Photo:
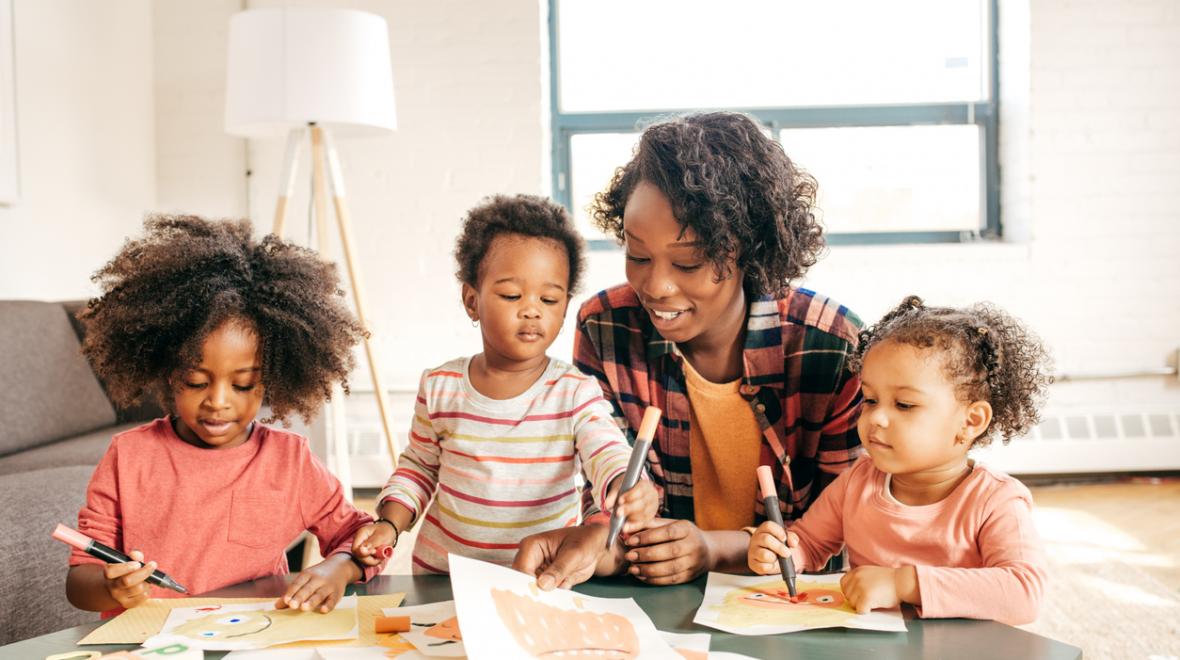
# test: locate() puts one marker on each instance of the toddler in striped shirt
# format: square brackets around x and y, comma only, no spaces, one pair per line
[499,439]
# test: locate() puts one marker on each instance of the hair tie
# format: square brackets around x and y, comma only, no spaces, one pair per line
[982,330]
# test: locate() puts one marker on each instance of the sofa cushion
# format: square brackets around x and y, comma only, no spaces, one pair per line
[86,449]
[33,575]
[47,389]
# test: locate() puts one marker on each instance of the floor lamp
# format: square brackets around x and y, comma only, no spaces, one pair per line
[307,73]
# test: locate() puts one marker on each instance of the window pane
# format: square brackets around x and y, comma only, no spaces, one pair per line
[655,54]
[894,178]
[594,157]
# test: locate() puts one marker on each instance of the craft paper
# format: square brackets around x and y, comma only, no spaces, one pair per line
[690,646]
[255,625]
[760,605]
[137,624]
[504,615]
[273,654]
[434,630]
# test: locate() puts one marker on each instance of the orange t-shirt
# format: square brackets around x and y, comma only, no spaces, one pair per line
[725,444]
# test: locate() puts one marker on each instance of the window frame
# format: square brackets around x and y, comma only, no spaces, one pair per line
[985,114]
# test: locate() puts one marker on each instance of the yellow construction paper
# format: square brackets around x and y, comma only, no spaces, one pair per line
[135,625]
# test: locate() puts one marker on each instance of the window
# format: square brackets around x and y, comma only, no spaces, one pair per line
[891,105]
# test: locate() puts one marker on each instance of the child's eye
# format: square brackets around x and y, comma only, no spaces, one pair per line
[688,269]
[243,388]
[509,298]
[195,386]
[905,406]
[638,260]
[870,401]
[549,301]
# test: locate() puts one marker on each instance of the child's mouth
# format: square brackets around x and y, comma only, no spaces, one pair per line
[216,427]
[530,335]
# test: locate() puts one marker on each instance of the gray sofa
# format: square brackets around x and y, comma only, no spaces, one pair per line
[55,425]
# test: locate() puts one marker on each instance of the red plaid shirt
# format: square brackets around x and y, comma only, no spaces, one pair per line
[795,378]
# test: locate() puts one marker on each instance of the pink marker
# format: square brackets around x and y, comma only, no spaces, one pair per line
[385,551]
[770,502]
[110,555]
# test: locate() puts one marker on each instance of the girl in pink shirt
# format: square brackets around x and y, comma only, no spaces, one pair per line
[923,523]
[215,324]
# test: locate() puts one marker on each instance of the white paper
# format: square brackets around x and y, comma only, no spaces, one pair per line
[245,626]
[274,654]
[431,630]
[503,614]
[689,645]
[759,605]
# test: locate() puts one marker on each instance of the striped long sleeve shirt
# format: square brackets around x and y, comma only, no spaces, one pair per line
[795,378]
[500,470]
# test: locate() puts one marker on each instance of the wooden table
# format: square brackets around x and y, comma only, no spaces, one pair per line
[672,609]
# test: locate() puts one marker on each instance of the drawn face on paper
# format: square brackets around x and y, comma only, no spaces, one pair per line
[775,598]
[547,631]
[817,605]
[228,625]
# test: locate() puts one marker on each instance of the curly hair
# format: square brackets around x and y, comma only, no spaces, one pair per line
[749,205]
[520,215]
[162,295]
[988,355]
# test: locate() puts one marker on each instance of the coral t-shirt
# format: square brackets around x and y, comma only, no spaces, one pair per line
[210,518]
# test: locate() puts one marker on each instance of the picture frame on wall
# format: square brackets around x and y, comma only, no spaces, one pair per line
[9,161]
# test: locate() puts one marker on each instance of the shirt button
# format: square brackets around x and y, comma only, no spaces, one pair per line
[749,390]
[761,407]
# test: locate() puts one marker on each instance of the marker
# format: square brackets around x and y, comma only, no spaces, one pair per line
[770,501]
[385,551]
[110,555]
[647,431]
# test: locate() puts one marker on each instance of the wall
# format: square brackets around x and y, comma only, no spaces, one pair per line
[85,133]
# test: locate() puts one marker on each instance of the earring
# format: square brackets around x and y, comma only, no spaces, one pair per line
[475,323]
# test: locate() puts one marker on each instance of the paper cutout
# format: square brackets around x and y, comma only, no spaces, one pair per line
[434,629]
[135,625]
[504,615]
[255,625]
[761,605]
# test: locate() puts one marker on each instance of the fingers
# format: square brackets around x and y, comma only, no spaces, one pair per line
[296,590]
[660,530]
[573,561]
[530,555]
[675,578]
[792,540]
[360,538]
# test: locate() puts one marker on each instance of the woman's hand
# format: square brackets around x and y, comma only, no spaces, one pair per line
[669,552]
[126,582]
[567,556]
[320,586]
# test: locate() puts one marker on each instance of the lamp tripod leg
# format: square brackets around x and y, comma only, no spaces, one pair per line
[287,178]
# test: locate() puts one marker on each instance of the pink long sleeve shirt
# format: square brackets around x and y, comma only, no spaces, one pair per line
[214,517]
[976,552]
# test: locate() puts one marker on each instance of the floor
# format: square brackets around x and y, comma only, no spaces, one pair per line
[1114,555]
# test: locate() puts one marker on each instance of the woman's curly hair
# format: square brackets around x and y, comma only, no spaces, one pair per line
[988,355]
[749,205]
[162,294]
[520,215]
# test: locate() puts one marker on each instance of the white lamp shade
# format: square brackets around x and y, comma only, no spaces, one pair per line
[288,67]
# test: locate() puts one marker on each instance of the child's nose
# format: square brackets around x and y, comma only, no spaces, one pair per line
[217,396]
[878,418]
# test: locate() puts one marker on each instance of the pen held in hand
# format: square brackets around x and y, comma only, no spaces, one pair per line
[770,502]
[647,431]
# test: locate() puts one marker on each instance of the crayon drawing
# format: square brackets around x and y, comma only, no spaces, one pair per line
[255,625]
[434,629]
[761,605]
[504,615]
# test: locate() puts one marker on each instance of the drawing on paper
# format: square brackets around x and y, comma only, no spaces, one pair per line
[256,625]
[545,630]
[761,605]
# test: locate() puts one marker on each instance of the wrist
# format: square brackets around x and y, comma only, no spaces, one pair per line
[600,518]
[905,581]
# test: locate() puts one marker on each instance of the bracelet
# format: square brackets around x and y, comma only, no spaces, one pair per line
[396,532]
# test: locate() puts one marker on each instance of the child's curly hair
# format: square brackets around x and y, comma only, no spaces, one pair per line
[747,202]
[989,356]
[521,215]
[165,292]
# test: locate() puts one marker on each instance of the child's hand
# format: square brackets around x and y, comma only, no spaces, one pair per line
[876,587]
[564,557]
[638,506]
[771,541]
[369,539]
[126,581]
[320,586]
